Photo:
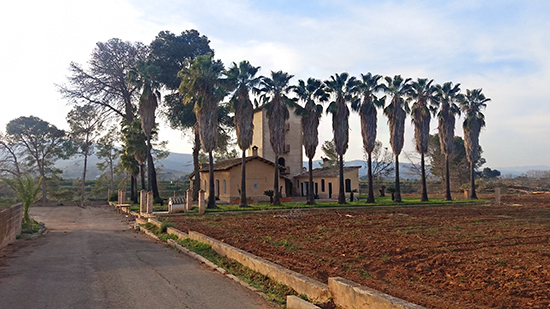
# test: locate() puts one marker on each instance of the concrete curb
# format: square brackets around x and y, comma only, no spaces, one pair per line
[295,302]
[314,289]
[348,294]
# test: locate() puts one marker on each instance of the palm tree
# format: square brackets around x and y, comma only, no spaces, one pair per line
[367,87]
[472,104]
[274,94]
[201,83]
[422,93]
[342,87]
[398,89]
[143,77]
[447,96]
[242,79]
[26,189]
[310,114]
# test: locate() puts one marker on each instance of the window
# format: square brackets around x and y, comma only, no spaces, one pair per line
[348,185]
[287,148]
[255,186]
[322,185]
[282,161]
[217,188]
[316,188]
[224,191]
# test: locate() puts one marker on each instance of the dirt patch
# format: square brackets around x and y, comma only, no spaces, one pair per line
[486,256]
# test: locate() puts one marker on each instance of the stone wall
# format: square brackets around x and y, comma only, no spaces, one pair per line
[10,224]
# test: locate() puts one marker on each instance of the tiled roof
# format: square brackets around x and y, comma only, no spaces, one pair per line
[328,171]
[229,164]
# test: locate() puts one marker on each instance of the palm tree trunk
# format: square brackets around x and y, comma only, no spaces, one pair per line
[142,174]
[196,166]
[341,192]
[276,196]
[448,196]
[211,194]
[133,189]
[397,194]
[473,195]
[370,198]
[310,193]
[424,197]
[151,172]
[243,181]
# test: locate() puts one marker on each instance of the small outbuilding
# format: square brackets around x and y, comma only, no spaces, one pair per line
[326,181]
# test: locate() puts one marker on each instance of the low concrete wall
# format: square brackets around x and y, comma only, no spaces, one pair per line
[314,289]
[10,224]
[155,222]
[350,295]
[295,302]
[181,235]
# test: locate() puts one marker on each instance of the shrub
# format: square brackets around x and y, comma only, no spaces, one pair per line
[113,197]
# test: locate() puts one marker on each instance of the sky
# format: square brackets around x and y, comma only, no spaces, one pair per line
[501,46]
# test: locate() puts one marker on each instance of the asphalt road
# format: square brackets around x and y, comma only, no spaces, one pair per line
[92,258]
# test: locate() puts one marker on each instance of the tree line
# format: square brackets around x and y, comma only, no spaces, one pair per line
[123,82]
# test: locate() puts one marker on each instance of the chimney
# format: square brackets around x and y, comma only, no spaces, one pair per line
[255,151]
[325,162]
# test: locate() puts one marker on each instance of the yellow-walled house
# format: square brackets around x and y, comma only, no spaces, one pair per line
[227,179]
[260,168]
[326,181]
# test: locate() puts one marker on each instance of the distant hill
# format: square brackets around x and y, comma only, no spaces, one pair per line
[178,165]
[175,166]
[515,171]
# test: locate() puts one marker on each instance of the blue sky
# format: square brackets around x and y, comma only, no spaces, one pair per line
[500,46]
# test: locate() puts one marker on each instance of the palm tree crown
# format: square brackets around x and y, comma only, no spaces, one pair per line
[447,96]
[242,78]
[202,84]
[472,104]
[343,89]
[368,87]
[275,100]
[310,93]
[398,89]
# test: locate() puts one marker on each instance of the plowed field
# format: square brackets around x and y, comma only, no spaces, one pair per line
[461,256]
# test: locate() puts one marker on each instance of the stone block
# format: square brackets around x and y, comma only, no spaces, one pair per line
[150,200]
[202,202]
[295,302]
[142,202]
[189,200]
[347,294]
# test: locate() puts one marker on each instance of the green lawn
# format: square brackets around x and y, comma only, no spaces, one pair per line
[380,201]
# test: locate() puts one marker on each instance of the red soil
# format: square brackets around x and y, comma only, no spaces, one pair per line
[485,256]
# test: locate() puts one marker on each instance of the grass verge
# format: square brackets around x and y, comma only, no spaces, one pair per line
[276,292]
[361,202]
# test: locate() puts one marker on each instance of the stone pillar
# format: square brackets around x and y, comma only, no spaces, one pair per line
[497,196]
[150,202]
[202,202]
[189,200]
[120,196]
[142,201]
